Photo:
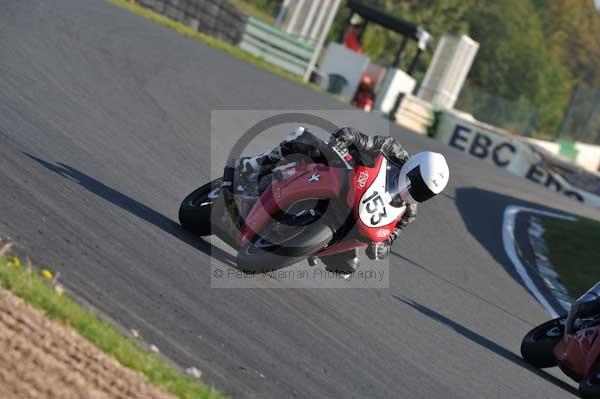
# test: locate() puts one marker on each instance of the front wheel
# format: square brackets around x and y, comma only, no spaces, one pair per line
[589,388]
[280,245]
[538,345]
[196,209]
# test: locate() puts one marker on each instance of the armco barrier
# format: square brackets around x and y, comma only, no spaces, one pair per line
[276,47]
[217,18]
[517,156]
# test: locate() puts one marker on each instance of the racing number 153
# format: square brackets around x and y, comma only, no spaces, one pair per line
[376,206]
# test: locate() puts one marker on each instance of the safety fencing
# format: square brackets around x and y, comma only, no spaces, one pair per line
[582,119]
[217,18]
[276,47]
[513,116]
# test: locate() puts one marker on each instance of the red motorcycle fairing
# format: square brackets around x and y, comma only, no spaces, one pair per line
[367,195]
[578,353]
[303,181]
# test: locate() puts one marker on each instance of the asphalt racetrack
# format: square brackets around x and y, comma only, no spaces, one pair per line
[105,127]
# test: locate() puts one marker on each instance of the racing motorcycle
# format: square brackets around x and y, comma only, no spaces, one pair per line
[305,210]
[572,343]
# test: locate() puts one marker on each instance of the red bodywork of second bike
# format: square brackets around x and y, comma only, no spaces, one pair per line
[577,353]
[331,183]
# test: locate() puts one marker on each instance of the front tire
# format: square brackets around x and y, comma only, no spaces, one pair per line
[589,388]
[196,209]
[275,251]
[538,345]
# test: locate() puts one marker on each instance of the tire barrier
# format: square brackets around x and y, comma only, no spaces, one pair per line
[217,18]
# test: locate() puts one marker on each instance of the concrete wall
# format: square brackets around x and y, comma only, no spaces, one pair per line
[518,157]
[585,155]
[549,146]
[414,114]
[588,156]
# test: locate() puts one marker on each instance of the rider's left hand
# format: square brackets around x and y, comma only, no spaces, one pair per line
[379,250]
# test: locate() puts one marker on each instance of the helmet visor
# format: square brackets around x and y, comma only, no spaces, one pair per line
[418,189]
[406,189]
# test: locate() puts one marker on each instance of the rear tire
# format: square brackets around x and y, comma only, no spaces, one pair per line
[589,388]
[265,254]
[196,209]
[538,345]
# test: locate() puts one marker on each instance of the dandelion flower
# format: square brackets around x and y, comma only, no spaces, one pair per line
[47,274]
[15,261]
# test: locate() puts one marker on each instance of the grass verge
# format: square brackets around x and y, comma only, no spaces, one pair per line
[573,250]
[43,292]
[208,40]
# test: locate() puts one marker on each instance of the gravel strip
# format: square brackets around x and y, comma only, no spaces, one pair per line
[43,359]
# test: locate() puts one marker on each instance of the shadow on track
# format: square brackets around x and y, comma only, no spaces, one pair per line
[136,208]
[458,287]
[486,343]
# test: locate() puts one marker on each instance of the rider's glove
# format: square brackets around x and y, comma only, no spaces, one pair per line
[339,144]
[379,250]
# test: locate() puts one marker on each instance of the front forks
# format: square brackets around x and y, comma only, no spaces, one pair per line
[237,204]
[231,216]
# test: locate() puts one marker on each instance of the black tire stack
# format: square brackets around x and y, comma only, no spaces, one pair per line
[217,18]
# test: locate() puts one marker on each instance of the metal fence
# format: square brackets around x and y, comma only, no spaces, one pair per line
[217,18]
[581,122]
[498,111]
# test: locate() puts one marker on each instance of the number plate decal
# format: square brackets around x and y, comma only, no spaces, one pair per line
[374,209]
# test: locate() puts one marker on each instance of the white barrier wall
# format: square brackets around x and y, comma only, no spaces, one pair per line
[414,114]
[588,156]
[505,151]
[396,81]
[345,62]
[549,146]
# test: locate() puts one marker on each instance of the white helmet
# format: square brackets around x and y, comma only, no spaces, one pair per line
[423,176]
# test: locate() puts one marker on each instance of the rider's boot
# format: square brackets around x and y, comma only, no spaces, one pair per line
[266,161]
[344,263]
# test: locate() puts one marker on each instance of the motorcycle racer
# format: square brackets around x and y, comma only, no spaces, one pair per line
[588,305]
[420,177]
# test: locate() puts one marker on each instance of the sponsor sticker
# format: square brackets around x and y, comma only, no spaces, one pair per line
[382,233]
[362,179]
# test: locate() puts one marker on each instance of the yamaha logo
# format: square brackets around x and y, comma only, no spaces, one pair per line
[315,177]
[362,179]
